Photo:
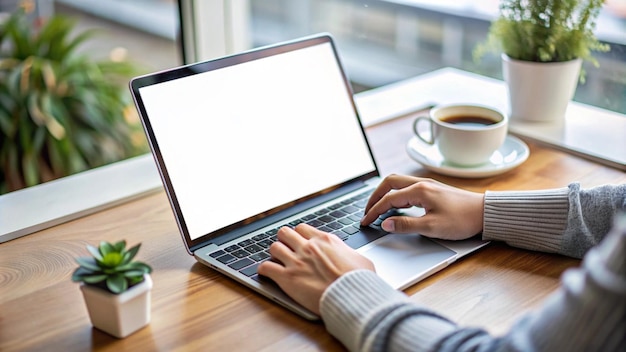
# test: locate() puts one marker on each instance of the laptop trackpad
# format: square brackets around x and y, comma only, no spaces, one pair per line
[403,259]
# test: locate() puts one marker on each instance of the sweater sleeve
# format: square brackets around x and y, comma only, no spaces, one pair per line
[363,312]
[587,313]
[567,220]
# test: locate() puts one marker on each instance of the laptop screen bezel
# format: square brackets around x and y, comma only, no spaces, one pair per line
[184,71]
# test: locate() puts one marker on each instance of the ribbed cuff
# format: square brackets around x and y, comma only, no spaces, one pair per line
[533,220]
[363,312]
[352,301]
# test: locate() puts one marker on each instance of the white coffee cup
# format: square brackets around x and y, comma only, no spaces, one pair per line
[466,135]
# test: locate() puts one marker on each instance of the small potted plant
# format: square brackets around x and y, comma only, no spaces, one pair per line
[543,44]
[116,289]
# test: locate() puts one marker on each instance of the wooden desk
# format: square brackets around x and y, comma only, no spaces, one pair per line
[195,308]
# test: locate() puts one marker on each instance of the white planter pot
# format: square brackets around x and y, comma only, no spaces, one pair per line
[539,91]
[122,314]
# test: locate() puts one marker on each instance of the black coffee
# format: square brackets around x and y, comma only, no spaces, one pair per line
[469,120]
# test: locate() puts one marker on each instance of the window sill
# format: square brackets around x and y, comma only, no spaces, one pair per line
[48,204]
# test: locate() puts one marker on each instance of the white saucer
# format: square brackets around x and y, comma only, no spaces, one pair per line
[511,154]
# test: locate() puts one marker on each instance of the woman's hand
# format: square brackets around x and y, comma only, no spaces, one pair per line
[451,213]
[306,261]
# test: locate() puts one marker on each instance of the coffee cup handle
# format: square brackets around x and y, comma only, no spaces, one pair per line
[430,140]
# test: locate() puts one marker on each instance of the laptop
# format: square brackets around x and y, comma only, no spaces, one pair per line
[271,137]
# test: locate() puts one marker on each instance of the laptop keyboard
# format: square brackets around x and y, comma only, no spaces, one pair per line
[341,219]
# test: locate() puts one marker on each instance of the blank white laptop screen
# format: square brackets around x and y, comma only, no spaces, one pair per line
[244,139]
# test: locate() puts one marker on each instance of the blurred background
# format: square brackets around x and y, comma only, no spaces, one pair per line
[380,41]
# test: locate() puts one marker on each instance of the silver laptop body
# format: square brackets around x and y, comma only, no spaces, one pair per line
[267,138]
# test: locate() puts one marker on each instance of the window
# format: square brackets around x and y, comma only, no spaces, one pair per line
[383,41]
[144,30]
[103,126]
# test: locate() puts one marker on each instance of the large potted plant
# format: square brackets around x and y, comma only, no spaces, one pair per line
[543,44]
[116,289]
[61,112]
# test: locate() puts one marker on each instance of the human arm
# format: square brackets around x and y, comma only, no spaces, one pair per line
[567,220]
[366,314]
[586,314]
[309,264]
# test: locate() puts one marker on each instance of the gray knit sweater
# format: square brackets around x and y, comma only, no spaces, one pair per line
[588,312]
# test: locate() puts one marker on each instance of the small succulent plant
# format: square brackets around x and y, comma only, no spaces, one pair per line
[111,267]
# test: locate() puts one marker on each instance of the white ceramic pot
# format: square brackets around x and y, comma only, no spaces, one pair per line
[539,91]
[122,314]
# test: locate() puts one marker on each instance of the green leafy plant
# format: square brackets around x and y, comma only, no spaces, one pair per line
[545,31]
[111,267]
[61,112]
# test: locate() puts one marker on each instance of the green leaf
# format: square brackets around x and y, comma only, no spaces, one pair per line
[76,162]
[94,279]
[56,157]
[134,273]
[142,266]
[88,263]
[119,246]
[125,267]
[117,283]
[38,140]
[79,273]
[79,39]
[95,252]
[6,125]
[135,280]
[131,253]
[30,170]
[106,248]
